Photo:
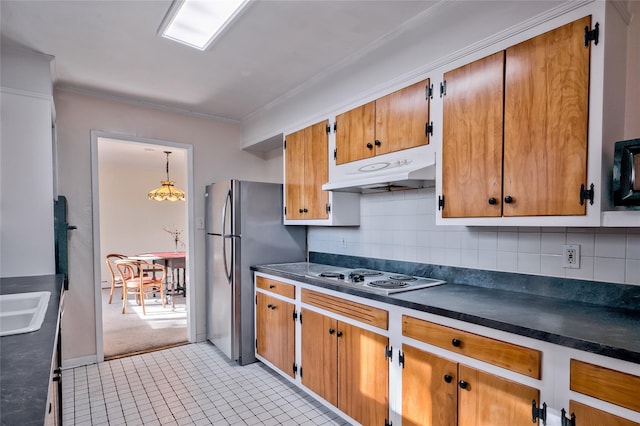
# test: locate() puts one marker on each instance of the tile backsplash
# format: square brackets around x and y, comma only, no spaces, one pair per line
[401,226]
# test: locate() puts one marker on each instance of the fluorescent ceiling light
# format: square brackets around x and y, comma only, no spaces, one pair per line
[197,23]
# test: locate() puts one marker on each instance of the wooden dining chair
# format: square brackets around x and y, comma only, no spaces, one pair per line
[139,277]
[116,280]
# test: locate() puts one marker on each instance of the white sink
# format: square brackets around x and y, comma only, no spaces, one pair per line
[22,312]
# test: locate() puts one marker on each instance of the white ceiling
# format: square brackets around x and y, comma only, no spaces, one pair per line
[112,48]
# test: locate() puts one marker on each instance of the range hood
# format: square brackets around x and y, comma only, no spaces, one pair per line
[377,175]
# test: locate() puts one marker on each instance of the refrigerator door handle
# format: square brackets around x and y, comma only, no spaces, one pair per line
[224,245]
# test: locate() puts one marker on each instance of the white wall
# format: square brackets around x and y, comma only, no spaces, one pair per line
[216,156]
[26,168]
[401,226]
[632,119]
[130,223]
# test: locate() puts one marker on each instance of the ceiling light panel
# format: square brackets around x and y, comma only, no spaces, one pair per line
[197,23]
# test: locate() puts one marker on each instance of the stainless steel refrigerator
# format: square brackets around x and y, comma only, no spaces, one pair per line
[244,228]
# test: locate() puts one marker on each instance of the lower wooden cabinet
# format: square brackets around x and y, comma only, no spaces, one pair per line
[589,416]
[612,386]
[440,392]
[343,358]
[275,332]
[429,389]
[346,365]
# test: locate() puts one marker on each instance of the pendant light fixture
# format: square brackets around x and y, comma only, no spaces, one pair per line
[167,190]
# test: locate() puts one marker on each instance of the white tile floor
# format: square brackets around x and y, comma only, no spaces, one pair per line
[186,385]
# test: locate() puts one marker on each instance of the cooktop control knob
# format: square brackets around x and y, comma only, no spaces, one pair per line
[356,278]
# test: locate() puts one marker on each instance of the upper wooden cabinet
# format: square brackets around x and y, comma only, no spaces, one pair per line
[545,123]
[472,139]
[392,123]
[515,129]
[306,169]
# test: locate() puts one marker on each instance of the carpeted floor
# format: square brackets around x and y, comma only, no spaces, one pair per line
[133,332]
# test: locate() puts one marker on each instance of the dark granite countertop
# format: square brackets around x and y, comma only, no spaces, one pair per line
[25,359]
[597,328]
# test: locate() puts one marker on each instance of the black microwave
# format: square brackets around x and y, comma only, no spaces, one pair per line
[626,173]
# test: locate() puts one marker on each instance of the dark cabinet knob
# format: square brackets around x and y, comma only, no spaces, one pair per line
[300,210]
[273,307]
[377,142]
[369,145]
[508,199]
[331,331]
[463,384]
[269,306]
[272,286]
[492,201]
[456,343]
[448,378]
[339,334]
[305,210]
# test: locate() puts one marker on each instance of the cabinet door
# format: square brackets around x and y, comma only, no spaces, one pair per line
[545,125]
[472,139]
[355,134]
[316,160]
[319,356]
[429,389]
[275,332]
[401,118]
[294,174]
[589,416]
[492,400]
[363,375]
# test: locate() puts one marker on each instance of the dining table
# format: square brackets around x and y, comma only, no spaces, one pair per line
[174,260]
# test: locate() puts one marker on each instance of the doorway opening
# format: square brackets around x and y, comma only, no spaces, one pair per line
[127,223]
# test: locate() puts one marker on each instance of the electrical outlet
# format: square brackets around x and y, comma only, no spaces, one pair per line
[571,256]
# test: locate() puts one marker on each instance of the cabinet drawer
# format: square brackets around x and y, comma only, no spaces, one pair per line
[357,311]
[608,385]
[286,290]
[506,355]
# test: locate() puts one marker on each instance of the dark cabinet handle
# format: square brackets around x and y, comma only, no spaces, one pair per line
[377,142]
[300,210]
[305,210]
[369,145]
[508,199]
[456,343]
[272,286]
[448,378]
[273,307]
[339,334]
[269,306]
[331,331]
[463,384]
[492,201]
